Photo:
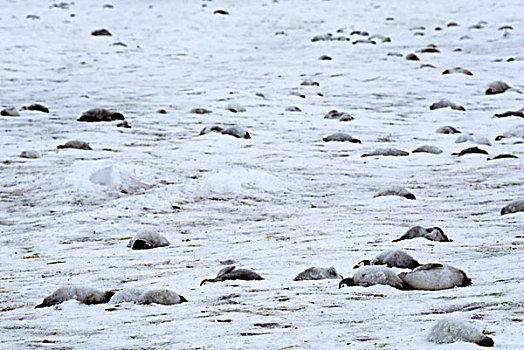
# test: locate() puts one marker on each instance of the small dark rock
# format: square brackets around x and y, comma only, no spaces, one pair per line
[412,57]
[325,58]
[123,124]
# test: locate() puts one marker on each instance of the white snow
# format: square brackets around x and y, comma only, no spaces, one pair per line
[277,203]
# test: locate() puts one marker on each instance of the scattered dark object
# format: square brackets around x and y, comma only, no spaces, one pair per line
[446,103]
[447,130]
[230,273]
[470,150]
[100,115]
[36,107]
[412,57]
[513,207]
[75,144]
[101,32]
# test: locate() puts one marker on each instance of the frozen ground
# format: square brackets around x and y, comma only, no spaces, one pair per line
[277,203]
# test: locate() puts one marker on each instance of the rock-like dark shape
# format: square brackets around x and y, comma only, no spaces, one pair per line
[75,144]
[101,32]
[231,273]
[36,107]
[394,152]
[318,273]
[293,109]
[341,137]
[325,58]
[446,103]
[470,150]
[447,130]
[432,233]
[513,207]
[100,115]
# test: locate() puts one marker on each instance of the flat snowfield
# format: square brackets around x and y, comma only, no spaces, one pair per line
[277,203]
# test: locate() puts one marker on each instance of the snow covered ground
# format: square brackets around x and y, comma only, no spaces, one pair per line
[279,202]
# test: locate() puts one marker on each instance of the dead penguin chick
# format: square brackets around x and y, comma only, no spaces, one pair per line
[446,103]
[470,150]
[396,191]
[457,70]
[503,156]
[85,295]
[36,107]
[518,113]
[464,138]
[391,258]
[427,149]
[100,115]
[435,276]
[447,129]
[75,144]
[371,275]
[433,234]
[386,152]
[318,273]
[147,240]
[30,154]
[212,128]
[235,108]
[513,207]
[9,112]
[154,296]
[497,87]
[161,296]
[236,131]
[342,116]
[341,137]
[450,331]
[198,110]
[231,273]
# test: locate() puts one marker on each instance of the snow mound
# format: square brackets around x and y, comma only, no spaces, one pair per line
[104,174]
